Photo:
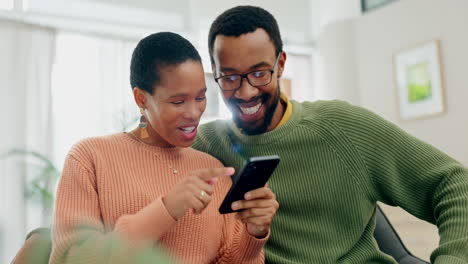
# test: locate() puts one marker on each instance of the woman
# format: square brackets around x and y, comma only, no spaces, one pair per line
[148,185]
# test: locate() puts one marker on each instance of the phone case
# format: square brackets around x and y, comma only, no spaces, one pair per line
[254,174]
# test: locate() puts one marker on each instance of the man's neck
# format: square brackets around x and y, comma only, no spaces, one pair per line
[278,115]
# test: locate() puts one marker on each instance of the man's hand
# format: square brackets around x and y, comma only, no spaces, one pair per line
[260,207]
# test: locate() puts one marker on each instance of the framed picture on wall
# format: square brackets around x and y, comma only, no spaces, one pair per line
[367,5]
[419,81]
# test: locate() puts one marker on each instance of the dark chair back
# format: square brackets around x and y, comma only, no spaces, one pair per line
[390,243]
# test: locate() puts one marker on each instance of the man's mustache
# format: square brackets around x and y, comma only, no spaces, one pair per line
[262,97]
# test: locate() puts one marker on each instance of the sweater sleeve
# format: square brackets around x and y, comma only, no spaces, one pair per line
[79,235]
[409,173]
[238,246]
[148,224]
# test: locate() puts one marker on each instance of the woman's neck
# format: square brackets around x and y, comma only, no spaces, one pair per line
[153,138]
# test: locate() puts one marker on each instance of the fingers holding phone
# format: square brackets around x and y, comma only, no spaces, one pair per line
[253,175]
[258,210]
[193,192]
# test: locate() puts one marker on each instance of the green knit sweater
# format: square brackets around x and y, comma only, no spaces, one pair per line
[337,161]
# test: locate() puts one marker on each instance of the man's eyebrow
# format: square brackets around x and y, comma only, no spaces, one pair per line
[260,64]
[227,69]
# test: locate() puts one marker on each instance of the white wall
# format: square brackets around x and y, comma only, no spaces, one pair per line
[331,11]
[357,64]
[337,63]
[381,34]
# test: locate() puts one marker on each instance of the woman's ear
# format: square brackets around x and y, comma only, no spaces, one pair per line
[139,96]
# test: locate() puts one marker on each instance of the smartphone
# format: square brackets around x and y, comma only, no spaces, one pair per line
[253,175]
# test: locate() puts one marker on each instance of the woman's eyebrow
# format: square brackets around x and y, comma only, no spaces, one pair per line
[186,94]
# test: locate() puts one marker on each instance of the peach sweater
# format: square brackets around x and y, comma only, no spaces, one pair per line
[114,184]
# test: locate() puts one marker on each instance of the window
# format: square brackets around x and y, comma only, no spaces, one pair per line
[90,89]
[6,4]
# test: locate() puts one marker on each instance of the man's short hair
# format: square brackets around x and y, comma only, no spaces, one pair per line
[156,51]
[244,19]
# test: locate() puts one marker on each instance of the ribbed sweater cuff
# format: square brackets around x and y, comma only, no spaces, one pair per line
[445,259]
[251,246]
[150,223]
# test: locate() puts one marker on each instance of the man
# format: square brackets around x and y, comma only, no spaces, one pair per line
[337,160]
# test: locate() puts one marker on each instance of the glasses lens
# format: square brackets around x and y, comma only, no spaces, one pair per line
[231,82]
[259,78]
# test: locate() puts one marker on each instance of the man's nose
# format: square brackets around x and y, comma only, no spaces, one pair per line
[246,91]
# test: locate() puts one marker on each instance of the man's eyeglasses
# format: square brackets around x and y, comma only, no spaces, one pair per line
[255,78]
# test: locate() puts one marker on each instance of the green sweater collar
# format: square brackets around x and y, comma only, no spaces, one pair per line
[268,137]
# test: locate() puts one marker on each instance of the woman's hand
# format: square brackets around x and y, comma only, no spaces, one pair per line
[260,207]
[193,192]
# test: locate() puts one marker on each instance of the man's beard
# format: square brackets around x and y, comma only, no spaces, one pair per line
[262,128]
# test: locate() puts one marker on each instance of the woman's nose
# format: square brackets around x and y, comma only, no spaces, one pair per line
[193,111]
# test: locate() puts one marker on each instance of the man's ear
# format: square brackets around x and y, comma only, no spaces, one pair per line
[281,63]
[140,97]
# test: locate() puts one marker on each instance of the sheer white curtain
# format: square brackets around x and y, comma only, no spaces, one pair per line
[26,54]
[91,89]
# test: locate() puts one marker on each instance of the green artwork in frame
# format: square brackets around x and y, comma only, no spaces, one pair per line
[419,81]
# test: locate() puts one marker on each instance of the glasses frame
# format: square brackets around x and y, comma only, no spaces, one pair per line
[245,76]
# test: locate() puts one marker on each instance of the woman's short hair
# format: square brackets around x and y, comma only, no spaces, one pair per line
[156,51]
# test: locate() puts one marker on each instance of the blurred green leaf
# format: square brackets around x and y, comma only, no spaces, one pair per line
[45,175]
